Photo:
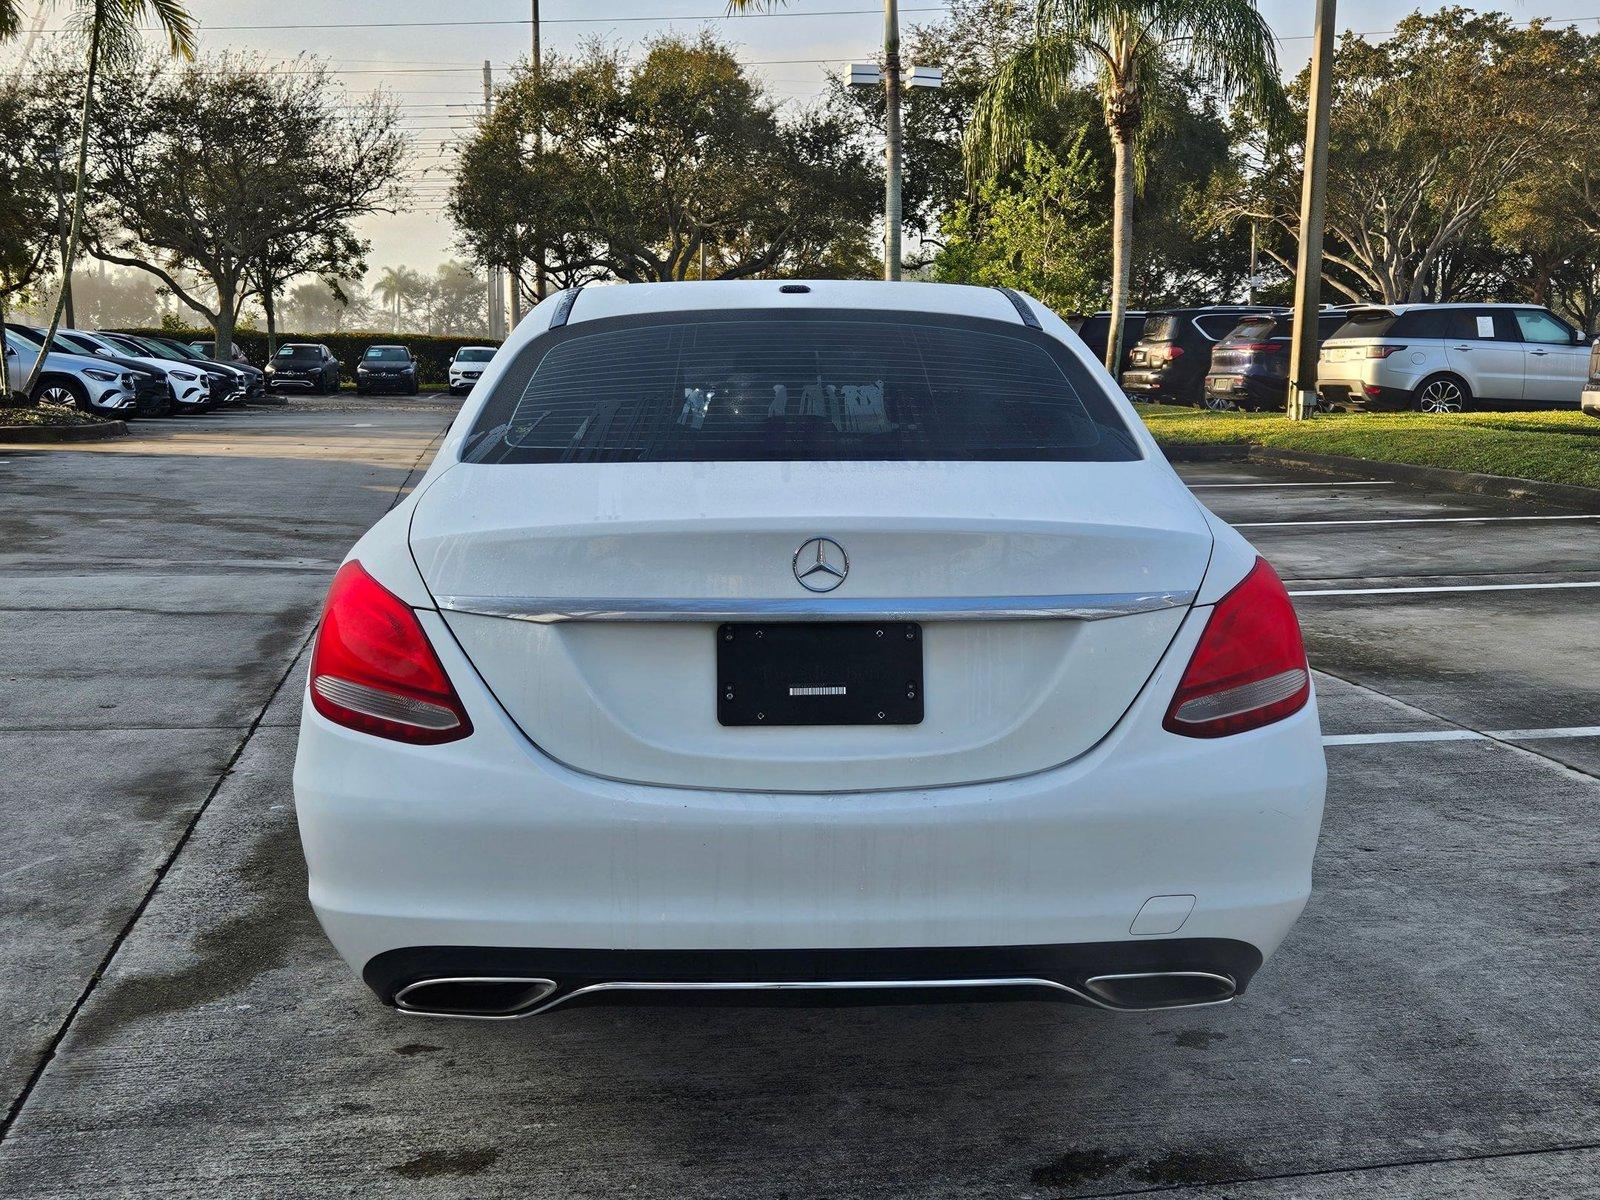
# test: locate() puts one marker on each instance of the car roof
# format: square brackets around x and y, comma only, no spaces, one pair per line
[374,346]
[459,349]
[1397,309]
[947,299]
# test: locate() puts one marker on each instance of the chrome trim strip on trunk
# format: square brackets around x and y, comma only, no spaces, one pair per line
[549,610]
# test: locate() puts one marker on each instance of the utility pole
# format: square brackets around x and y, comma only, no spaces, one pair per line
[62,237]
[891,113]
[539,285]
[1250,293]
[496,287]
[1313,196]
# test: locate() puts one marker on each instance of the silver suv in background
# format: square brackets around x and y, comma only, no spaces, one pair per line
[1442,358]
[73,380]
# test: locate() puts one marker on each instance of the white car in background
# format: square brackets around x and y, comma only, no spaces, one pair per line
[1442,358]
[831,639]
[72,380]
[467,367]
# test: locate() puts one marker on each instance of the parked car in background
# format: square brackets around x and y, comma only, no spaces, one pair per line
[467,366]
[303,367]
[387,368]
[196,386]
[253,380]
[236,353]
[1095,328]
[155,389]
[1170,360]
[1250,366]
[1443,358]
[1590,401]
[72,380]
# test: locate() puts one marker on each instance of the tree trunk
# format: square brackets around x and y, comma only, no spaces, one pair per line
[892,140]
[77,193]
[1121,246]
[5,361]
[516,291]
[271,310]
[224,323]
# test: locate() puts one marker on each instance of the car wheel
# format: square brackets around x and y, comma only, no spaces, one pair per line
[67,393]
[1441,394]
[1218,403]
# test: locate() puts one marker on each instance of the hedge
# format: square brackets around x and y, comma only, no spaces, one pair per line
[433,353]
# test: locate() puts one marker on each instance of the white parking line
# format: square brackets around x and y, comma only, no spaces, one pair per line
[1454,587]
[1461,735]
[1419,520]
[1347,483]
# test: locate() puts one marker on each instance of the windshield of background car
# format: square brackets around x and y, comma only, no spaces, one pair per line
[387,354]
[813,387]
[1366,324]
[474,355]
[1158,328]
[1256,329]
[299,353]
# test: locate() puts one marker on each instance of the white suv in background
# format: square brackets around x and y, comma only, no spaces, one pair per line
[467,366]
[1442,357]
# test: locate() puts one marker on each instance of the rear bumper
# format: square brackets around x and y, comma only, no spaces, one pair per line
[1359,396]
[486,845]
[1255,392]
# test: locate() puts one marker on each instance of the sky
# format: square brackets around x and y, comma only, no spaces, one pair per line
[429,57]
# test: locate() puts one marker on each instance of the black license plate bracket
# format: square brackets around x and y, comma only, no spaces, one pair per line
[819,673]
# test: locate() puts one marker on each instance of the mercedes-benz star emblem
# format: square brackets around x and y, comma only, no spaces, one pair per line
[820,564]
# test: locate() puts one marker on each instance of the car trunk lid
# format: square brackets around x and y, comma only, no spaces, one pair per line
[636,699]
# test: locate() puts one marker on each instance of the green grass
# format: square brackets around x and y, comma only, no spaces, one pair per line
[44,414]
[1556,447]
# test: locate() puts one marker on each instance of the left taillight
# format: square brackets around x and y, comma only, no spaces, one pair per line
[1249,668]
[374,670]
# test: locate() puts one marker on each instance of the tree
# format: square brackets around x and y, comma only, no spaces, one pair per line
[398,288]
[1136,48]
[457,301]
[1045,235]
[244,176]
[1457,123]
[112,30]
[27,206]
[326,306]
[644,167]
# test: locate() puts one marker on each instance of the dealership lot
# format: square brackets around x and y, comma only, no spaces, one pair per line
[179,1025]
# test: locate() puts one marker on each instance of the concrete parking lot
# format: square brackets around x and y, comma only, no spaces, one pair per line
[176,1025]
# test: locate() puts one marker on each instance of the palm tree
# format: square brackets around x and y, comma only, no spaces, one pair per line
[397,286]
[112,30]
[1135,47]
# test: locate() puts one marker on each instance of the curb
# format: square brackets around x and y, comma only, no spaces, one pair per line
[34,435]
[1507,486]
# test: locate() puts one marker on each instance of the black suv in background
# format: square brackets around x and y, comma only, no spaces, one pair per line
[1173,353]
[1096,328]
[1250,366]
[303,366]
[386,367]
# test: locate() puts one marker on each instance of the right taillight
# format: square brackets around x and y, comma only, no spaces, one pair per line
[1383,351]
[374,669]
[1249,668]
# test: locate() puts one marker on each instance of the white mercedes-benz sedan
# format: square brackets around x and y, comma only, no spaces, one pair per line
[830,641]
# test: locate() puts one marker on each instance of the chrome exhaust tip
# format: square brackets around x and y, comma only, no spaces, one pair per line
[1161,989]
[483,997]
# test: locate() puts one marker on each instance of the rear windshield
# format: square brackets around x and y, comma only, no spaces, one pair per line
[1159,328]
[474,355]
[787,387]
[1257,329]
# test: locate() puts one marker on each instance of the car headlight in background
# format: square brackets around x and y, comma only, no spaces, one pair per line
[271,370]
[102,376]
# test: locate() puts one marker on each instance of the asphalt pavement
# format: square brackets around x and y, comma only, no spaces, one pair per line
[178,1026]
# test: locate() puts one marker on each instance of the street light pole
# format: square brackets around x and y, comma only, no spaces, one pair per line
[1308,262]
[497,294]
[891,111]
[539,285]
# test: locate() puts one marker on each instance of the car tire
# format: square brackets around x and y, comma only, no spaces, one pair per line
[1442,394]
[62,390]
